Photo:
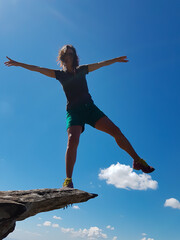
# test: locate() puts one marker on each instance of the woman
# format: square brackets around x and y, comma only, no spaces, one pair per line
[80,107]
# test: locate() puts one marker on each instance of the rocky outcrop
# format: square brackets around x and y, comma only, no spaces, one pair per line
[19,205]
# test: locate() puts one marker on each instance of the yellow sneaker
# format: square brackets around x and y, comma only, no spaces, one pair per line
[68,183]
[142,165]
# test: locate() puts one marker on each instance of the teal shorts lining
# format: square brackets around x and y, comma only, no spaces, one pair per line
[83,114]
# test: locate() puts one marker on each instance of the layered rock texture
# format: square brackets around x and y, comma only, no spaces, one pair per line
[19,205]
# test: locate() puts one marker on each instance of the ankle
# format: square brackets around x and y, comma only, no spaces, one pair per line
[68,178]
[137,159]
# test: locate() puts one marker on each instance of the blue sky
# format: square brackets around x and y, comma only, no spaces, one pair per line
[141,97]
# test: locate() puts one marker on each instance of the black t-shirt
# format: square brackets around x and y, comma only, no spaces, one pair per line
[75,86]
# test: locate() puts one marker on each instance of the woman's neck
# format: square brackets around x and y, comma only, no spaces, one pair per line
[68,68]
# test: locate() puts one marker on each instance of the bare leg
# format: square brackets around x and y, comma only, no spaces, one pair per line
[106,125]
[74,133]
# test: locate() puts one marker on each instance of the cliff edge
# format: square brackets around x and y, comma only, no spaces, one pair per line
[19,205]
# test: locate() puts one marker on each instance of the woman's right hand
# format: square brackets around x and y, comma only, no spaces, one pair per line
[11,62]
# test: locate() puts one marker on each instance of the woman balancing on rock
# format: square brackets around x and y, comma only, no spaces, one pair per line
[80,107]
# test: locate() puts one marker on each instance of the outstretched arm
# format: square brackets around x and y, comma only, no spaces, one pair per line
[95,66]
[45,71]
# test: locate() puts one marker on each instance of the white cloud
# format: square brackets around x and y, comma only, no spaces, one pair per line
[122,176]
[75,207]
[54,225]
[147,238]
[144,234]
[172,202]
[47,223]
[109,227]
[67,230]
[92,233]
[58,218]
[114,238]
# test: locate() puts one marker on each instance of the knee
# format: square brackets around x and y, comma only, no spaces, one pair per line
[73,141]
[117,132]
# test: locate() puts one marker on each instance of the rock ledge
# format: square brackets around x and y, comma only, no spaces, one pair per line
[19,205]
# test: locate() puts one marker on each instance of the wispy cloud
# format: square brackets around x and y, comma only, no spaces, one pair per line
[47,224]
[62,18]
[147,238]
[58,15]
[58,218]
[67,230]
[172,202]
[28,234]
[76,207]
[92,233]
[114,238]
[109,227]
[144,234]
[55,225]
[122,176]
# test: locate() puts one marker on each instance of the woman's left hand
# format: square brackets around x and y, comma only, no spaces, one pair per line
[122,59]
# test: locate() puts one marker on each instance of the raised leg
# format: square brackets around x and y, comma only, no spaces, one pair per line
[106,125]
